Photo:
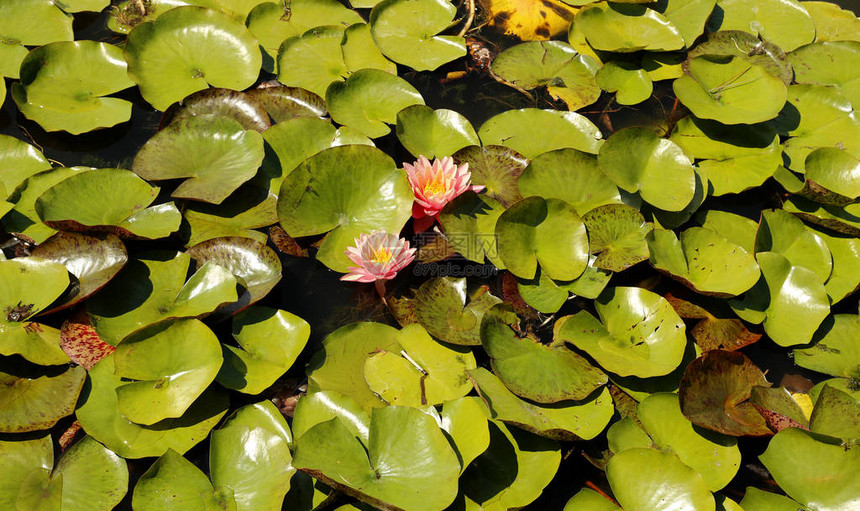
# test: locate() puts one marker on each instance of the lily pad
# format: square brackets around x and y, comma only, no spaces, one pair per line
[18,161]
[168,366]
[704,261]
[630,82]
[627,28]
[758,500]
[782,22]
[63,85]
[589,500]
[616,233]
[837,171]
[250,456]
[496,168]
[545,232]
[424,372]
[253,264]
[833,23]
[689,17]
[441,308]
[715,392]
[285,103]
[639,333]
[369,99]
[836,414]
[530,21]
[785,234]
[99,415]
[33,402]
[405,31]
[73,204]
[215,154]
[730,90]
[94,260]
[347,190]
[565,73]
[531,131]
[80,341]
[842,219]
[153,288]
[434,133]
[834,349]
[828,479]
[469,222]
[313,60]
[845,251]
[321,406]
[636,159]
[407,461]
[463,419]
[17,30]
[175,55]
[640,488]
[736,157]
[541,373]
[28,286]
[242,107]
[747,47]
[564,420]
[570,175]
[172,481]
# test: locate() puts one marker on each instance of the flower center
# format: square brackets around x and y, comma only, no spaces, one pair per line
[435,187]
[380,256]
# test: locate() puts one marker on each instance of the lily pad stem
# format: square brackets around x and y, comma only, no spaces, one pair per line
[470,4]
[380,289]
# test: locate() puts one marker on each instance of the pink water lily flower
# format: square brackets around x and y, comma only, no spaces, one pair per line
[435,185]
[378,256]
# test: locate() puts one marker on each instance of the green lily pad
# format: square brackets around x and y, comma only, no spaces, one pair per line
[830,63]
[242,107]
[716,457]
[758,500]
[730,90]
[321,406]
[347,190]
[833,23]
[639,333]
[407,461]
[779,409]
[547,295]
[785,234]
[94,260]
[636,159]
[564,420]
[630,82]
[29,285]
[18,161]
[638,487]
[339,364]
[168,366]
[174,482]
[689,17]
[737,229]
[254,265]
[836,414]
[215,154]
[250,456]
[715,392]
[87,476]
[285,103]
[842,219]
[542,373]
[497,168]
[531,131]
[817,116]
[271,25]
[589,500]
[736,157]
[313,60]
[627,28]
[434,133]
[424,372]
[545,232]
[704,261]
[22,220]
[153,288]
[63,85]
[782,22]
[828,480]
[834,349]
[836,170]
[845,251]
[270,340]
[565,73]
[663,66]
[73,204]
[405,31]
[33,402]
[463,419]
[174,56]
[512,472]
[570,175]
[99,415]
[747,47]
[616,233]
[369,99]
[441,308]
[17,30]
[469,222]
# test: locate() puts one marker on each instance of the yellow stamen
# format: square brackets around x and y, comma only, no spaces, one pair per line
[380,256]
[436,186]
